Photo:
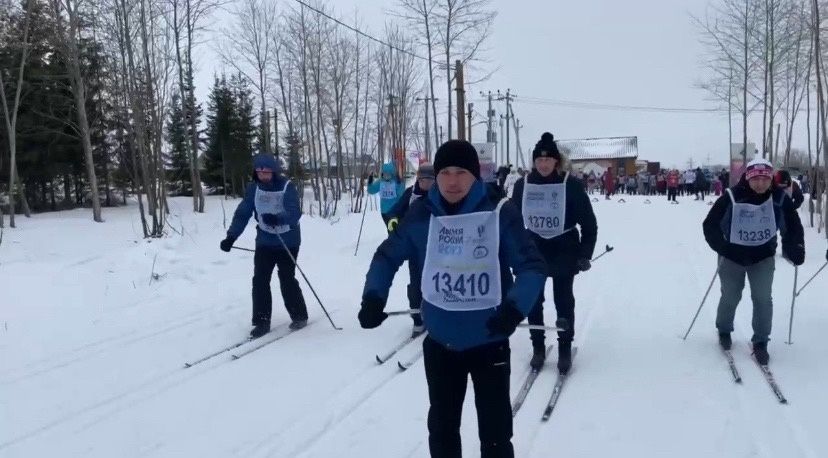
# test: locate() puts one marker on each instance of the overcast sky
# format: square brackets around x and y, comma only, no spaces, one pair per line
[631,52]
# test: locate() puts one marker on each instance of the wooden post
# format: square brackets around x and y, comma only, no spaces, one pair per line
[461,100]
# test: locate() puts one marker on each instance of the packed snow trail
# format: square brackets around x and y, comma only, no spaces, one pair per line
[91,349]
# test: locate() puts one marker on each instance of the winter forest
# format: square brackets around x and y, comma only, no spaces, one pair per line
[99,103]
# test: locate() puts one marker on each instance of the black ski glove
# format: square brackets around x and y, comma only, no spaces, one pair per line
[583,265]
[505,320]
[794,253]
[227,244]
[370,179]
[370,313]
[271,219]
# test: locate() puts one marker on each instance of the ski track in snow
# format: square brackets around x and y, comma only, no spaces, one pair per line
[108,364]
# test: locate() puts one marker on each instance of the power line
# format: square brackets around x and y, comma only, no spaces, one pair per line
[614,107]
[360,32]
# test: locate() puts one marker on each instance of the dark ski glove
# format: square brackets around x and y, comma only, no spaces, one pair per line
[227,244]
[370,313]
[505,320]
[370,179]
[794,253]
[271,219]
[583,265]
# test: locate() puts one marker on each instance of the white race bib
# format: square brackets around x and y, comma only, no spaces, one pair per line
[462,265]
[752,225]
[388,190]
[271,202]
[544,208]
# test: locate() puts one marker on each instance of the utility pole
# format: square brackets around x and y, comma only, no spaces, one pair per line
[501,138]
[509,97]
[427,99]
[461,100]
[471,106]
[489,116]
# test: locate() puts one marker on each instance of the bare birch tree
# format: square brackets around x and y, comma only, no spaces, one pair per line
[10,115]
[729,33]
[248,47]
[463,26]
[67,18]
[420,14]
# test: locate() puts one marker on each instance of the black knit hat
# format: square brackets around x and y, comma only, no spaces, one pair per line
[457,153]
[546,147]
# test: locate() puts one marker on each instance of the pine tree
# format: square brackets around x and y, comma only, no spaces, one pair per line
[177,163]
[219,135]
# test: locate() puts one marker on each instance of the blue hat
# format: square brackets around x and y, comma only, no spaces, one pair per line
[266,161]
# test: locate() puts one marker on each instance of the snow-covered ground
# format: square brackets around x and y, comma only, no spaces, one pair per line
[92,349]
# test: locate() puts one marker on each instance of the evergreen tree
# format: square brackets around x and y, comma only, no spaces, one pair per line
[176,161]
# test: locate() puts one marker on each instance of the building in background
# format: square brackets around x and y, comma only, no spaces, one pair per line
[597,154]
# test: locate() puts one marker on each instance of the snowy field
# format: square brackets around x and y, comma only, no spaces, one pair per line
[92,349]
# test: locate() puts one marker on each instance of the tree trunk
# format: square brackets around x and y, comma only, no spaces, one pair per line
[431,80]
[79,91]
[745,75]
[198,194]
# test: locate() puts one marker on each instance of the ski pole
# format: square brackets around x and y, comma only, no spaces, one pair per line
[812,278]
[607,250]
[793,301]
[539,327]
[403,312]
[243,249]
[292,258]
[359,237]
[702,301]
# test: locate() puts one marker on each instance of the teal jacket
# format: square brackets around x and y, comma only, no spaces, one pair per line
[374,187]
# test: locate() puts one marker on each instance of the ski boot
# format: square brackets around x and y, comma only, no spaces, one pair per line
[760,352]
[564,357]
[259,330]
[296,325]
[724,340]
[538,357]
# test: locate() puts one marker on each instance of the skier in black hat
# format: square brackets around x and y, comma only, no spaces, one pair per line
[553,203]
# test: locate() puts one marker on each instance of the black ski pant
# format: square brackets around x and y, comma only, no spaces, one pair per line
[564,306]
[671,194]
[264,260]
[415,294]
[447,373]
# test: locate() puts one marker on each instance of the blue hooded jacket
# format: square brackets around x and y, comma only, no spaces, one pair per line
[461,330]
[387,204]
[247,208]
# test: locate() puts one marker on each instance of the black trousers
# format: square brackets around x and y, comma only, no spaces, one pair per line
[264,260]
[415,294]
[671,194]
[447,374]
[564,306]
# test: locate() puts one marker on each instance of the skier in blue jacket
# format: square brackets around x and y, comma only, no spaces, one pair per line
[389,187]
[466,239]
[273,202]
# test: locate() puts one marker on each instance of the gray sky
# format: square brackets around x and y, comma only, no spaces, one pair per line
[632,52]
